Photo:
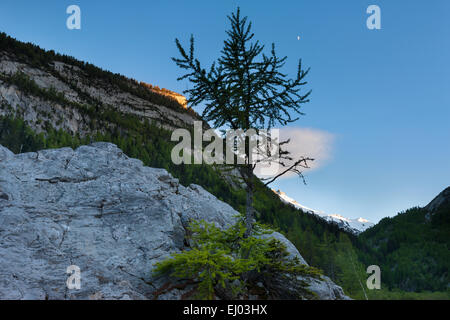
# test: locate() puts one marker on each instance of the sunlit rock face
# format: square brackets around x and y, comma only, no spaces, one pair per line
[106,213]
[168,93]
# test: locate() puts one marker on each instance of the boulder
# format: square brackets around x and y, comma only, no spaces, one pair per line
[106,213]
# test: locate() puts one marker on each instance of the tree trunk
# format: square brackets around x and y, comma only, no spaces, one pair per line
[249,204]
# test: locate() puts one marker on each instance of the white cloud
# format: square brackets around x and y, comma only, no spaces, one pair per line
[306,142]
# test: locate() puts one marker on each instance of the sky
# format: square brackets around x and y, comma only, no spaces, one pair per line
[378,120]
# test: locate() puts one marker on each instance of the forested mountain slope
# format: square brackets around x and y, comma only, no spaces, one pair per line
[412,248]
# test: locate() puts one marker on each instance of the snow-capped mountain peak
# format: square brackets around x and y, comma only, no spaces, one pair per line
[354,226]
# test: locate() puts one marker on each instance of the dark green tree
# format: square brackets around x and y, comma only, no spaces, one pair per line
[245,89]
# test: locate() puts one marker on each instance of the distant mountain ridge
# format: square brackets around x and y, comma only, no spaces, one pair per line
[47,89]
[354,226]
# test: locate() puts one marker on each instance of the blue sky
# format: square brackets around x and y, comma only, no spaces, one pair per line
[383,95]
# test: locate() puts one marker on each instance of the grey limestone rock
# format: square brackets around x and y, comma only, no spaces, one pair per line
[104,212]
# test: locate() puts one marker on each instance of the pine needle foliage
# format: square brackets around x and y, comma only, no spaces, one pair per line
[225,259]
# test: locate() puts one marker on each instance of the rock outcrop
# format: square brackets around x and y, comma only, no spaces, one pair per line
[441,200]
[354,226]
[106,213]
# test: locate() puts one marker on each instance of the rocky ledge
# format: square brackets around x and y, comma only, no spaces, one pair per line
[106,213]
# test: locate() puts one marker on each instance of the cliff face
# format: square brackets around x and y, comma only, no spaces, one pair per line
[441,201]
[114,218]
[66,96]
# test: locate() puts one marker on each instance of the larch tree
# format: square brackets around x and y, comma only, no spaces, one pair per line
[244,90]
